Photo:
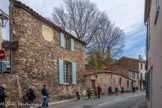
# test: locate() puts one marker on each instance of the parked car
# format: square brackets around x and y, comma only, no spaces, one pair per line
[6,66]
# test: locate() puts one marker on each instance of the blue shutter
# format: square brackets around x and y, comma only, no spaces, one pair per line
[72,44]
[135,75]
[61,71]
[73,73]
[149,85]
[62,40]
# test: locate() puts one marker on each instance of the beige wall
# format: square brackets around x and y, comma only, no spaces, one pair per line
[0,34]
[105,81]
[143,71]
[155,56]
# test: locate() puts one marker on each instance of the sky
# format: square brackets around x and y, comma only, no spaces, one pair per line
[126,14]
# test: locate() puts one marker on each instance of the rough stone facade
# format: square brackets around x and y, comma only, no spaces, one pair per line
[106,79]
[125,64]
[35,62]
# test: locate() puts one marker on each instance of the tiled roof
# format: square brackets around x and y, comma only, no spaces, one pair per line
[30,10]
[129,63]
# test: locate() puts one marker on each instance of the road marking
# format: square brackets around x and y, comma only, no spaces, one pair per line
[117,99]
[104,103]
[121,99]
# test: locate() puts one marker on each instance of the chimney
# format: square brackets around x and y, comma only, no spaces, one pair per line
[140,57]
[109,60]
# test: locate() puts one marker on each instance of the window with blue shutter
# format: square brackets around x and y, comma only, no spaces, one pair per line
[62,40]
[72,44]
[61,71]
[73,73]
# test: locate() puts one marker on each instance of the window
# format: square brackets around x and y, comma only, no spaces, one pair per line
[66,72]
[66,43]
[141,66]
[93,84]
[127,83]
[133,75]
[157,5]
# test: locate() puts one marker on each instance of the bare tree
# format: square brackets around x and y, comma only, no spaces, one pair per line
[108,35]
[83,19]
[80,18]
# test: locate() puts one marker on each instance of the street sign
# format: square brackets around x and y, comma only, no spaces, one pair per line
[2,54]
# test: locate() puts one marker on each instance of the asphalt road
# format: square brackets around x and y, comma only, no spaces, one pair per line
[126,100]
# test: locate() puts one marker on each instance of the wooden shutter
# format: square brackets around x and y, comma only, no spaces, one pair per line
[61,71]
[74,73]
[62,40]
[72,44]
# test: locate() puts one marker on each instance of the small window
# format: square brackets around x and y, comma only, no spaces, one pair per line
[93,84]
[67,43]
[157,5]
[127,83]
[133,75]
[67,72]
[141,66]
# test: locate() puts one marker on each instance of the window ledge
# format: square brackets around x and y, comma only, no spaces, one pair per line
[66,84]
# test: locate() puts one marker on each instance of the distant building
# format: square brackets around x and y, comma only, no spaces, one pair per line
[106,78]
[153,22]
[131,67]
[142,73]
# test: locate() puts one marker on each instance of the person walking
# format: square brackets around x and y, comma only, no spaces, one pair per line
[99,91]
[133,89]
[45,96]
[116,90]
[2,96]
[96,92]
[78,93]
[122,90]
[89,93]
[30,94]
[110,91]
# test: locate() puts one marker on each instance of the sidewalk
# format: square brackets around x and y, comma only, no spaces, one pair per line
[64,101]
[141,104]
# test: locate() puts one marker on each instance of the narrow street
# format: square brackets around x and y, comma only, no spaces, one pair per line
[126,100]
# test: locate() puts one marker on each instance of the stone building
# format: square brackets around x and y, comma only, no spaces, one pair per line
[132,68]
[153,22]
[106,78]
[46,55]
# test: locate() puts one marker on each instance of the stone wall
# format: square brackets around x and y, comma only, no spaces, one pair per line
[105,80]
[35,62]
